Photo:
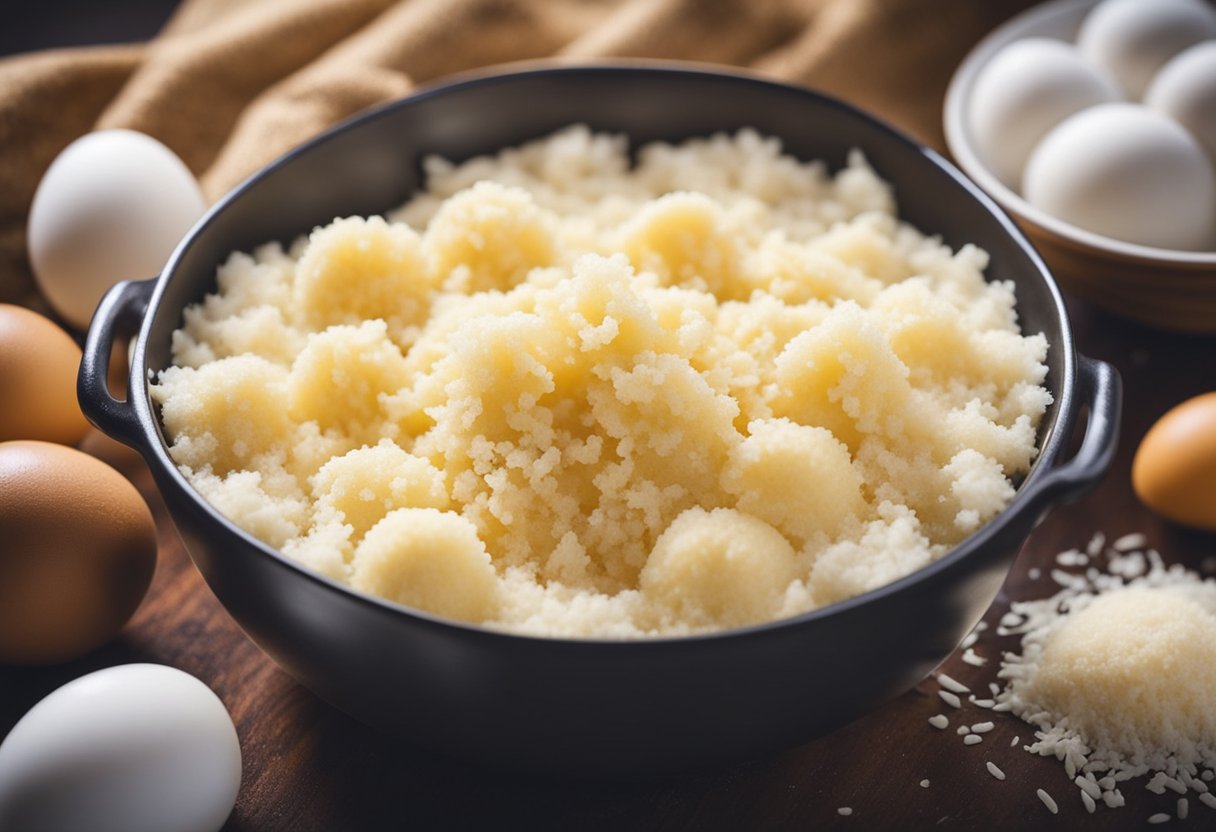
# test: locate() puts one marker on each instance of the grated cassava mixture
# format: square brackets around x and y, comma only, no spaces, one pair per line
[561,395]
[1115,673]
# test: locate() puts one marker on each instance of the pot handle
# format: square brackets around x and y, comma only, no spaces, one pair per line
[118,315]
[1102,390]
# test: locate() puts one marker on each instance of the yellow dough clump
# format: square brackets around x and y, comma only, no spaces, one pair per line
[719,568]
[561,392]
[429,559]
[356,269]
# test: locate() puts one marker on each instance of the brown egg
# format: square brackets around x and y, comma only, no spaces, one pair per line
[1174,471]
[77,553]
[38,364]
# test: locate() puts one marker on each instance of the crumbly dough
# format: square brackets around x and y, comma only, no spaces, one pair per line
[564,395]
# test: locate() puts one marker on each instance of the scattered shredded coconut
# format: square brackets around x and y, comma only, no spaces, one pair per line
[1129,542]
[951,684]
[1174,785]
[1118,675]
[971,658]
[995,771]
[924,784]
[1089,785]
[1072,558]
[1132,566]
[1156,785]
[939,721]
[1090,805]
[950,699]
[1068,580]
[1097,769]
[844,810]
[974,635]
[1095,545]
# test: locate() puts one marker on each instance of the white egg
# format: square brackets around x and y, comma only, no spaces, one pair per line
[1185,90]
[1134,38]
[1127,172]
[126,749]
[112,206]
[1023,91]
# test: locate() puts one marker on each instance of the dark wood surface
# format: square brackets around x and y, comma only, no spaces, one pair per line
[309,767]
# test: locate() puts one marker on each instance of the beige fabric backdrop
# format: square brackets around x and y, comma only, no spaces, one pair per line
[231,84]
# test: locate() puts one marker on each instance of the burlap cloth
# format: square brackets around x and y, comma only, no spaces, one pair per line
[231,84]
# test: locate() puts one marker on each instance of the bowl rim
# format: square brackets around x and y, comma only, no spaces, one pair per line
[958,139]
[154,443]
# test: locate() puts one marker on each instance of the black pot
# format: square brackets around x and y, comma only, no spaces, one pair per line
[594,706]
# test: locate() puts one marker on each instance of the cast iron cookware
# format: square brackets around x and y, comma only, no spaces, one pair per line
[595,707]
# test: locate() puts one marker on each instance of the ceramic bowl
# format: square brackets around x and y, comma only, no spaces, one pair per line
[1169,289]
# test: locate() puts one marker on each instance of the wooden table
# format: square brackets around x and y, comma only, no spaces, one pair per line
[309,767]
